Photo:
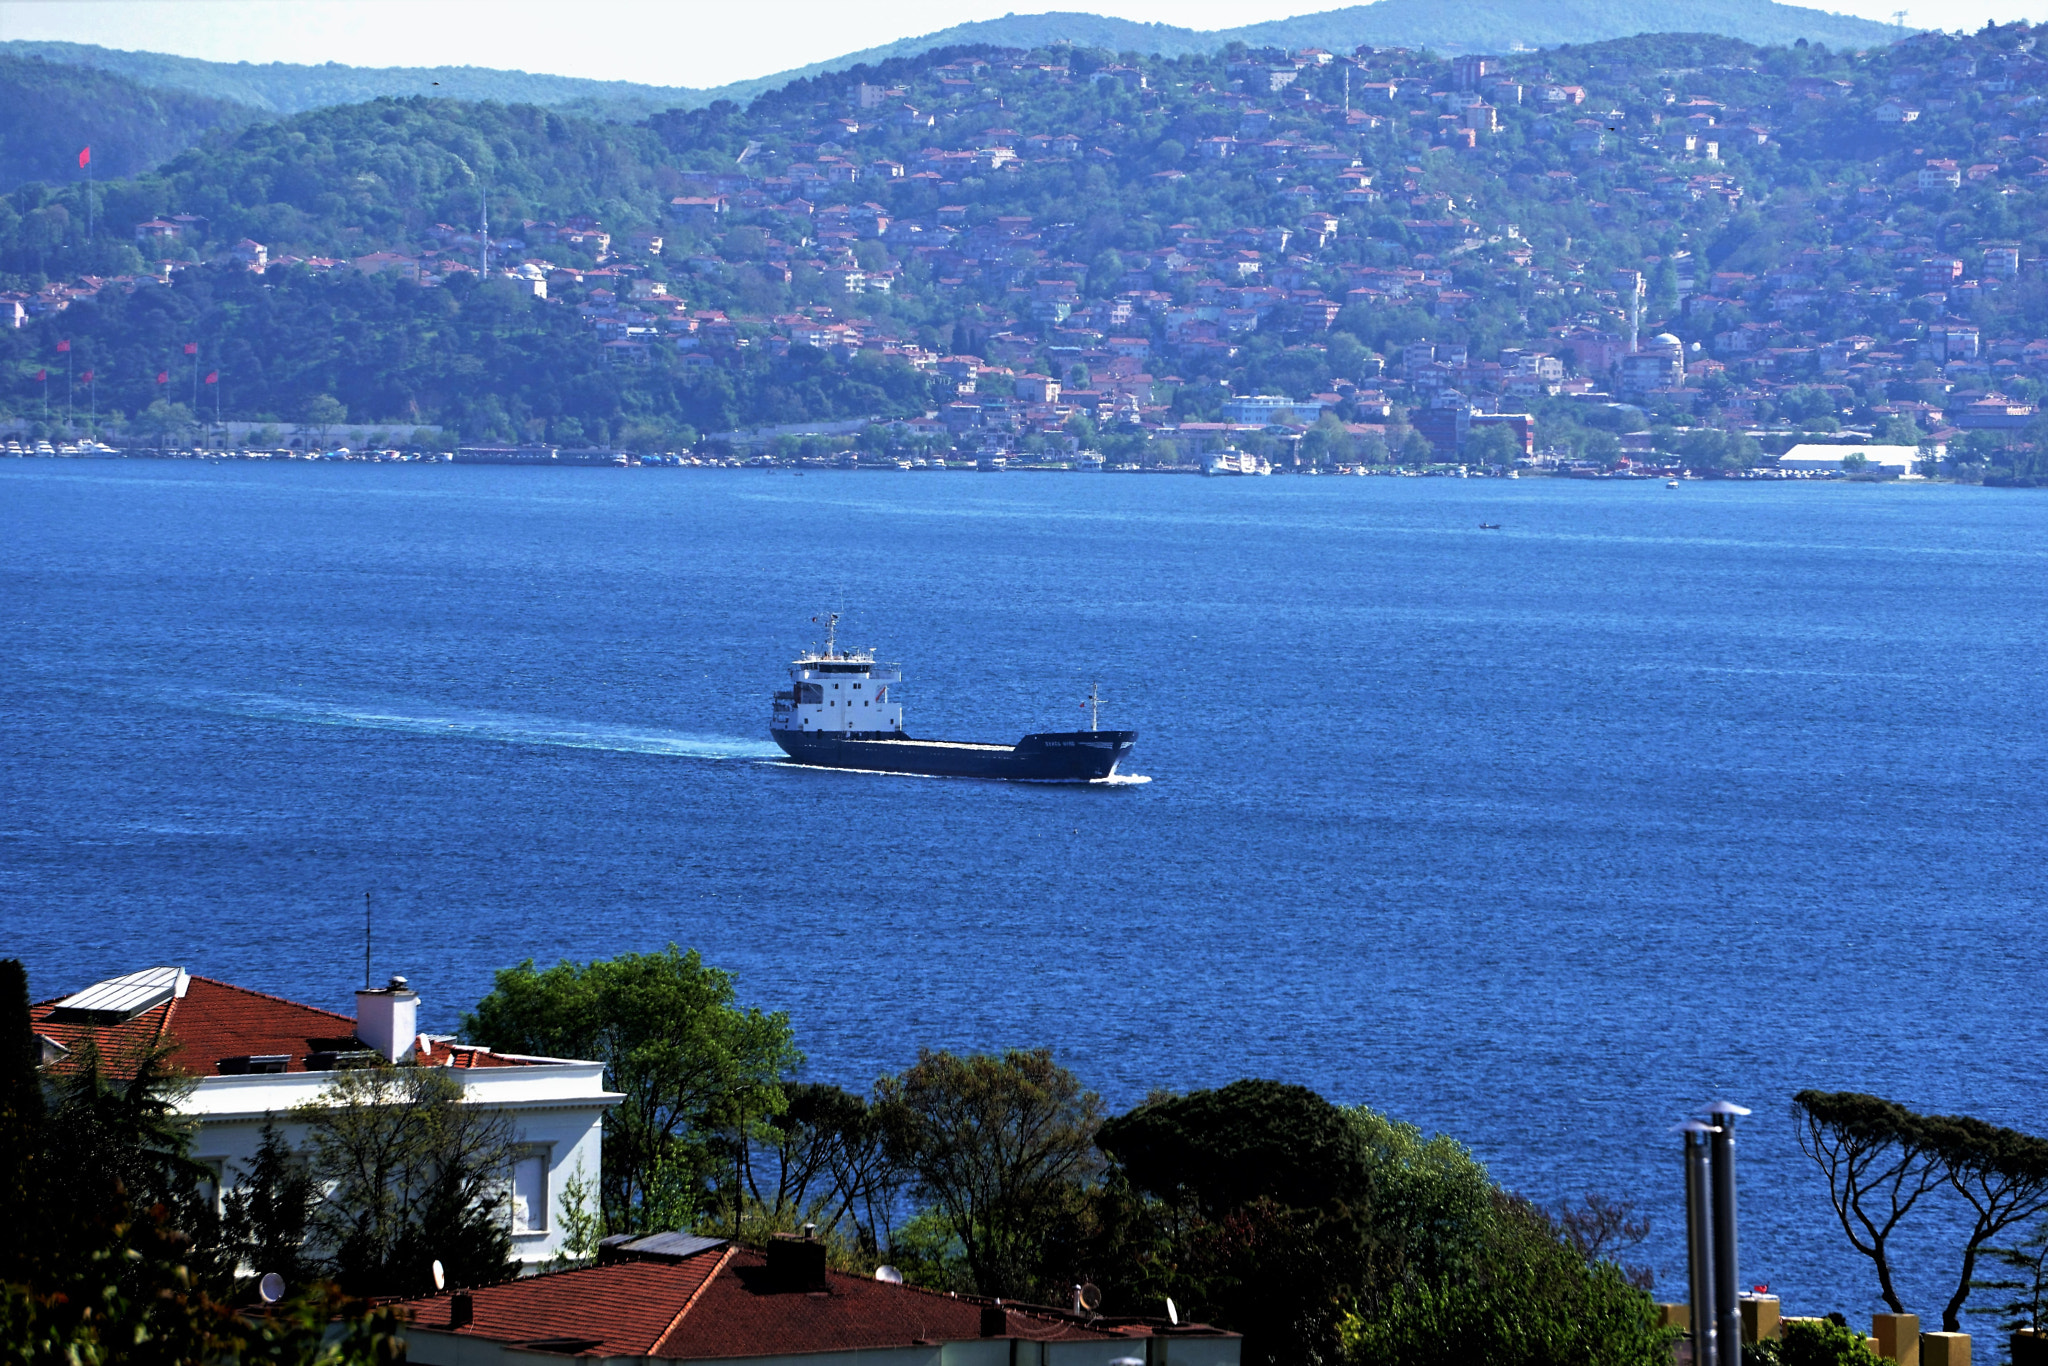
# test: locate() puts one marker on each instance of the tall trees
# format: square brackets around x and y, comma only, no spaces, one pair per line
[1877,1166]
[691,1062]
[998,1143]
[112,1255]
[269,1213]
[1881,1159]
[409,1175]
[2001,1174]
[823,1160]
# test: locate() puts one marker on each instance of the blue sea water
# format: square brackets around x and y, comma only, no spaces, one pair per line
[1543,836]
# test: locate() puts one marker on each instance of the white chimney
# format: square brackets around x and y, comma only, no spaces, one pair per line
[388,1019]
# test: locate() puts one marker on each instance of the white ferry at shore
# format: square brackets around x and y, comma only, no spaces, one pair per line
[1235,462]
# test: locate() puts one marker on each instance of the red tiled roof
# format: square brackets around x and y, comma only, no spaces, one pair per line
[211,1021]
[620,1310]
[214,1020]
[721,1303]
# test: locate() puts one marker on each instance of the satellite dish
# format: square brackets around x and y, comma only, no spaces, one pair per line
[1172,1312]
[888,1274]
[1090,1296]
[440,1276]
[271,1287]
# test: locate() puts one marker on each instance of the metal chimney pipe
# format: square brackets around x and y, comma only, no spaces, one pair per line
[1727,1285]
[1699,1243]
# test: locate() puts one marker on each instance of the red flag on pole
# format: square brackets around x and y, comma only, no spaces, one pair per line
[213,376]
[163,377]
[85,378]
[84,157]
[63,346]
[42,375]
[191,348]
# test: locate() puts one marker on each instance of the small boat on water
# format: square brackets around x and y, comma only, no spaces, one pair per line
[1489,526]
[1671,483]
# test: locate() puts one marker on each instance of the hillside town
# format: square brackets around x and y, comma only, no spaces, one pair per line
[1584,259]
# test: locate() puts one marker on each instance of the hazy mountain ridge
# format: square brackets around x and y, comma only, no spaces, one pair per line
[49,111]
[283,88]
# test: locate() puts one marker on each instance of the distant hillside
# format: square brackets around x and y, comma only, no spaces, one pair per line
[1443,25]
[49,111]
[285,88]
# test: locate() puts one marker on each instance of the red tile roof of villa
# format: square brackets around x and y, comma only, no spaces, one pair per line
[718,1301]
[211,1023]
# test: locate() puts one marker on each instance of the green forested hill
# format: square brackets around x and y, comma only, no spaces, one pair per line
[1447,26]
[1159,236]
[48,111]
[290,88]
[1444,25]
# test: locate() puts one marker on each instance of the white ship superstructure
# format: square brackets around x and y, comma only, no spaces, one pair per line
[839,692]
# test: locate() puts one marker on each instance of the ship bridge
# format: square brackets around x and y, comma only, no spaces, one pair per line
[840,692]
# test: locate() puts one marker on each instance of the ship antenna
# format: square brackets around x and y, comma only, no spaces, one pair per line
[831,633]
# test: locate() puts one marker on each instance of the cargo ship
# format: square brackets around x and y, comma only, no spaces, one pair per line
[837,714]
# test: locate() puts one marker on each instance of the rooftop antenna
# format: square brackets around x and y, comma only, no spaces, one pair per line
[366,941]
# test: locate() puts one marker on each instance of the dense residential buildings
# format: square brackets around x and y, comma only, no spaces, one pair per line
[1767,242]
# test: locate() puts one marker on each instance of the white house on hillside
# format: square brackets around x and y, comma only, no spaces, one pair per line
[257,1056]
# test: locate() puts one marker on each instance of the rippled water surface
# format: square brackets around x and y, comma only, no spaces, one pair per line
[1542,836]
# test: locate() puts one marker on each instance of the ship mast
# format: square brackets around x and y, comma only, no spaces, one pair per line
[1094,707]
[831,633]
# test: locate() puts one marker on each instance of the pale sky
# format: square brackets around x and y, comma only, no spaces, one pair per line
[658,42]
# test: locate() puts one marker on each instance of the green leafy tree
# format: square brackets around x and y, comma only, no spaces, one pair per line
[1219,1150]
[1878,1165]
[999,1144]
[2023,1275]
[1880,1159]
[324,412]
[123,1267]
[408,1175]
[1492,444]
[162,421]
[269,1212]
[1527,1296]
[1263,1186]
[1814,1342]
[2000,1173]
[694,1066]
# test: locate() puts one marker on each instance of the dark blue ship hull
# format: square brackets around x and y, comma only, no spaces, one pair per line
[1079,756]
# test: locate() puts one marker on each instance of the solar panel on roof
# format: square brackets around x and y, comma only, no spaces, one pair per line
[676,1245]
[125,997]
